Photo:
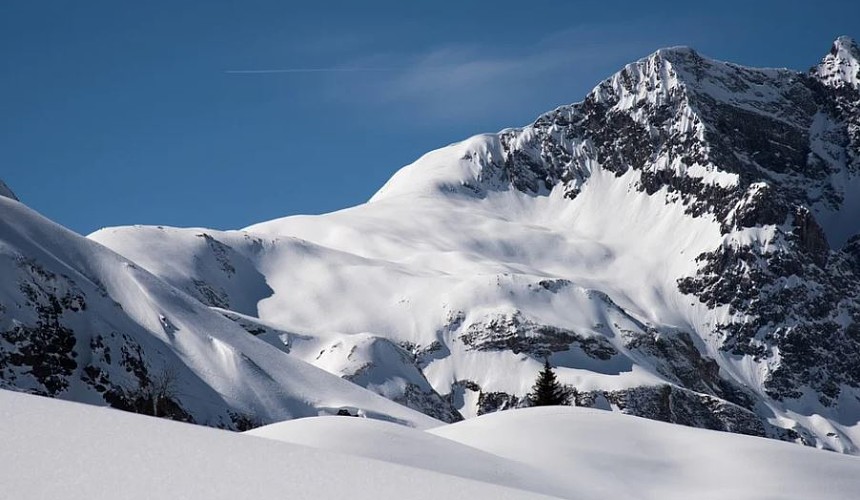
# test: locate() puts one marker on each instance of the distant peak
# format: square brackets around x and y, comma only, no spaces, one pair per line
[678,55]
[841,66]
[677,49]
[6,192]
[845,44]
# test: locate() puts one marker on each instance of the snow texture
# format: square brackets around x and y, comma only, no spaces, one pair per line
[590,454]
[57,449]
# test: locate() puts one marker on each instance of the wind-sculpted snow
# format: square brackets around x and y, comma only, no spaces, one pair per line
[57,449]
[680,243]
[597,454]
[584,454]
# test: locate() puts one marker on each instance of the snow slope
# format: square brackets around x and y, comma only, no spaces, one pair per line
[366,273]
[414,448]
[57,449]
[590,454]
[80,322]
[600,454]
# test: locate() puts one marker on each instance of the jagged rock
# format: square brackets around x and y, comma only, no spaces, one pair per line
[489,402]
[681,406]
[518,334]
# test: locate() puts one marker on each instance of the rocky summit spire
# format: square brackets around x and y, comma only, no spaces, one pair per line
[841,66]
[6,192]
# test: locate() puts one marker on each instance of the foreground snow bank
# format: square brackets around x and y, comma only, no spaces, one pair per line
[591,454]
[610,455]
[407,446]
[57,449]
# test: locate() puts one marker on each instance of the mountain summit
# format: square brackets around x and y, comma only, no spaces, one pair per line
[682,244]
[842,65]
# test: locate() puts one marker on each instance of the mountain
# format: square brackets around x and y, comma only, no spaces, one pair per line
[79,322]
[682,244]
[62,449]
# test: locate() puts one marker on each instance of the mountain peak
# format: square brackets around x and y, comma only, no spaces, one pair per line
[841,66]
[844,43]
[6,192]
[677,50]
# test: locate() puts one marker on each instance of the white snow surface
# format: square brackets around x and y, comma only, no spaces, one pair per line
[602,455]
[58,449]
[402,445]
[404,266]
[591,454]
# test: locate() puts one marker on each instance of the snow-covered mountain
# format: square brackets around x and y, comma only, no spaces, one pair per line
[682,244]
[80,322]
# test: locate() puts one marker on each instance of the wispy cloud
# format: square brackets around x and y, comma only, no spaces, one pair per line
[469,83]
[503,82]
[462,83]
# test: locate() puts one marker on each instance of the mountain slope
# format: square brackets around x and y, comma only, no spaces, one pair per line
[681,243]
[80,322]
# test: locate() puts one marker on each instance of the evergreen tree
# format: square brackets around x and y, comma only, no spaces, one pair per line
[547,391]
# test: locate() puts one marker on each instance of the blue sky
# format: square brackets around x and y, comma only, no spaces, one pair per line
[120,112]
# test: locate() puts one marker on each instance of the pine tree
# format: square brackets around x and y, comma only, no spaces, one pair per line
[547,391]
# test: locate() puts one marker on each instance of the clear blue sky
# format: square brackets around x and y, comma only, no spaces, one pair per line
[119,112]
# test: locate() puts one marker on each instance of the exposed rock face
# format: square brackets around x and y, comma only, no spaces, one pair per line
[59,349]
[517,334]
[680,406]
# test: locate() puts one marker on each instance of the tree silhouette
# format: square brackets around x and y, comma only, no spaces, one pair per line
[547,391]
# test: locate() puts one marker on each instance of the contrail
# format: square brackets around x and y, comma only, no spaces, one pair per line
[301,70]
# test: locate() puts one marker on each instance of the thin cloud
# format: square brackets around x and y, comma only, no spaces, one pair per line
[463,83]
[503,83]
